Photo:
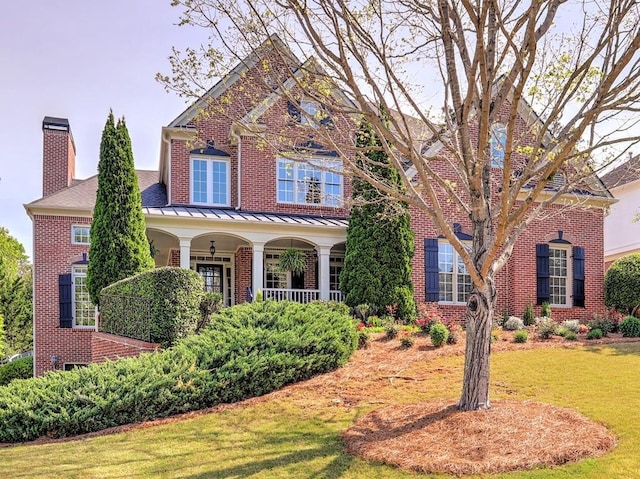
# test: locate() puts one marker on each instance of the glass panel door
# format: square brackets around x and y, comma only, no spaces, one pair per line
[212,275]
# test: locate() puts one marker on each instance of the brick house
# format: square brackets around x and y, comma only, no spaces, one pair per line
[226,206]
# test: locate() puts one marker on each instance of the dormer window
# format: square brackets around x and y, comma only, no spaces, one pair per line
[309,183]
[210,176]
[498,145]
[309,113]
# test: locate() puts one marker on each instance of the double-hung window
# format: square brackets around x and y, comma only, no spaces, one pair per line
[83,309]
[453,278]
[210,181]
[316,182]
[558,276]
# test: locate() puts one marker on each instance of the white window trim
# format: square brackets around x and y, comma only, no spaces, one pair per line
[306,116]
[455,302]
[494,128]
[210,160]
[316,162]
[74,275]
[73,234]
[569,277]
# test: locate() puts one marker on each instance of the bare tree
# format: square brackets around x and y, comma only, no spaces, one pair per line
[483,62]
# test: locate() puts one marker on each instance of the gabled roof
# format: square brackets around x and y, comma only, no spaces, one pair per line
[81,195]
[185,118]
[625,173]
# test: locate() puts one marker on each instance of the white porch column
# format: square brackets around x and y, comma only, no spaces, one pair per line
[323,260]
[185,252]
[258,268]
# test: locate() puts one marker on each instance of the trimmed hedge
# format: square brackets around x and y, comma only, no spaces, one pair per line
[622,284]
[19,369]
[160,306]
[248,350]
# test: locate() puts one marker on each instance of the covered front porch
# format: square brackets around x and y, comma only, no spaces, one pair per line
[240,255]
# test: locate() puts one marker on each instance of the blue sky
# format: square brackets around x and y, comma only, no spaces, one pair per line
[76,59]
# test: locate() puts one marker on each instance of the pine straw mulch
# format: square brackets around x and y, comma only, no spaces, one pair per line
[432,435]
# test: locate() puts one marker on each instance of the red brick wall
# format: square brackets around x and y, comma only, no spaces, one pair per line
[109,346]
[53,255]
[174,258]
[59,160]
[244,260]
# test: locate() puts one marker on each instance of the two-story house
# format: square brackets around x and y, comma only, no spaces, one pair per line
[226,206]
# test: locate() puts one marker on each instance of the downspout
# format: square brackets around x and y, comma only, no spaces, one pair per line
[238,138]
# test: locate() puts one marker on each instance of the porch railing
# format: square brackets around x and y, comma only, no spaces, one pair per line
[298,295]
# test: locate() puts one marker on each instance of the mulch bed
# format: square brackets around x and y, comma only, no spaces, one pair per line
[433,436]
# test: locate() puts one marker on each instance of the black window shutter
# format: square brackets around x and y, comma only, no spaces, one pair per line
[578,276]
[431,279]
[542,272]
[64,293]
[294,112]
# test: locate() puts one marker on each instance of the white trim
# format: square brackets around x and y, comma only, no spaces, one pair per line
[73,235]
[73,297]
[454,276]
[318,164]
[569,277]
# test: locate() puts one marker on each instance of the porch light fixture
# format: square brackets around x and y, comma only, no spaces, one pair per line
[212,248]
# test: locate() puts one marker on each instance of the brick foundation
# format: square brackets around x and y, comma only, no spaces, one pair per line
[109,346]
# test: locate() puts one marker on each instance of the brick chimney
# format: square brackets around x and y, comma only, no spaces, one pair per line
[58,155]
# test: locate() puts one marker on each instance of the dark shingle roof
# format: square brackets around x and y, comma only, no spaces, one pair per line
[81,195]
[625,173]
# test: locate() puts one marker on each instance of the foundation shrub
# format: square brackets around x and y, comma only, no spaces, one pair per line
[572,325]
[595,334]
[545,327]
[622,284]
[570,336]
[513,323]
[630,327]
[605,324]
[248,350]
[520,336]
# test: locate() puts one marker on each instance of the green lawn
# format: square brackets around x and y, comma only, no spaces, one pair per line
[297,436]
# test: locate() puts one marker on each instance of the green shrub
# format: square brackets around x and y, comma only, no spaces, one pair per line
[209,304]
[169,305]
[622,283]
[604,324]
[528,317]
[513,323]
[570,336]
[248,350]
[363,339]
[562,331]
[19,369]
[520,336]
[595,334]
[374,322]
[545,310]
[406,341]
[438,334]
[392,330]
[545,327]
[630,327]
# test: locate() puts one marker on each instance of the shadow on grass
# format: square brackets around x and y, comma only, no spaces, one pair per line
[615,349]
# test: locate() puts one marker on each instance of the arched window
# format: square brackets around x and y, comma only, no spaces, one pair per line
[498,144]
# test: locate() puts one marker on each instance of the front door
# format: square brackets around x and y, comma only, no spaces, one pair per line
[212,275]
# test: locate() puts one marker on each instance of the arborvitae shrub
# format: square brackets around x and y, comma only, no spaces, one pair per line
[630,327]
[528,317]
[248,350]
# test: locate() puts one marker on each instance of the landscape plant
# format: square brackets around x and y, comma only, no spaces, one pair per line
[545,327]
[21,368]
[545,309]
[630,327]
[622,284]
[438,334]
[119,246]
[513,323]
[595,334]
[529,315]
[520,336]
[248,350]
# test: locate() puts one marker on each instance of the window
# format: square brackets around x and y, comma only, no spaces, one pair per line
[309,111]
[498,145]
[309,183]
[83,310]
[210,181]
[453,279]
[558,277]
[80,234]
[274,276]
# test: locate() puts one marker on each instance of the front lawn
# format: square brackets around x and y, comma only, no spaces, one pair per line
[295,432]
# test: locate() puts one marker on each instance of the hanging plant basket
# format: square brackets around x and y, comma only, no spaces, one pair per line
[293,260]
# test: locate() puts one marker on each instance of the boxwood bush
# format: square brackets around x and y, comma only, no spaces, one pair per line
[19,369]
[630,327]
[161,305]
[622,283]
[248,350]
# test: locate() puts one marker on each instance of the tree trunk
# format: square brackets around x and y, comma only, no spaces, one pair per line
[479,321]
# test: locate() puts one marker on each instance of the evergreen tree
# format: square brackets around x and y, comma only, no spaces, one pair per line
[380,242]
[119,246]
[2,347]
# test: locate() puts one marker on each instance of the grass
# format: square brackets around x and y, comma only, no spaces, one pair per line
[296,434]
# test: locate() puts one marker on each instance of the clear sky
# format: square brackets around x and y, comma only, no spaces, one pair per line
[76,59]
